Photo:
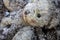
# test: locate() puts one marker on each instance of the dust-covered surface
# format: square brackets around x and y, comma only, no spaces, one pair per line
[29,19]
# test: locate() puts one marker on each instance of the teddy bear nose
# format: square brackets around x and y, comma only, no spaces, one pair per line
[38,15]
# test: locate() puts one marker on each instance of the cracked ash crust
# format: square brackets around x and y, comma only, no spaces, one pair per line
[40,14]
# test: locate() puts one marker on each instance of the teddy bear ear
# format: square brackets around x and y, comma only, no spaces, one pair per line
[6,3]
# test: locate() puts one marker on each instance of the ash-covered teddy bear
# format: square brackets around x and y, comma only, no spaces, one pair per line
[41,14]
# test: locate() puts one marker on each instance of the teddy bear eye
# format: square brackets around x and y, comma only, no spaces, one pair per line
[27,12]
[38,15]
